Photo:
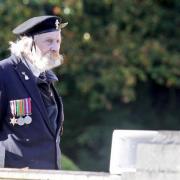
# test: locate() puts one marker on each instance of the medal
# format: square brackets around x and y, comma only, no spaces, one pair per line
[13,112]
[13,121]
[20,121]
[28,111]
[20,111]
[21,108]
[27,120]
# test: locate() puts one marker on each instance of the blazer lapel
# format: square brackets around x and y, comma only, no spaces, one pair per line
[29,83]
[60,118]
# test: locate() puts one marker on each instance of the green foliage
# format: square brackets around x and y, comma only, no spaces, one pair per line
[129,42]
[68,164]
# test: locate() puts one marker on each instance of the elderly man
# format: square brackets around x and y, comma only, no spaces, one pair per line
[31,111]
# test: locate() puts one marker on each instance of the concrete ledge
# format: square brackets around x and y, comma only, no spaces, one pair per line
[151,176]
[158,157]
[167,137]
[29,174]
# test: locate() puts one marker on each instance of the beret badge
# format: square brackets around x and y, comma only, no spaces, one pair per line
[57,23]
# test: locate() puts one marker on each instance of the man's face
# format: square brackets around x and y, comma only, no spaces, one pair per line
[47,50]
[48,42]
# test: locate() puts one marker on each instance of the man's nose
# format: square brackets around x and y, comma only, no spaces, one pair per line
[55,47]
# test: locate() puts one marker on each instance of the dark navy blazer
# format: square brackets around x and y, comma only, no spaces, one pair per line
[33,145]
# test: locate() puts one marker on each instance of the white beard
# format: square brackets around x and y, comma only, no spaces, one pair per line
[48,62]
[44,62]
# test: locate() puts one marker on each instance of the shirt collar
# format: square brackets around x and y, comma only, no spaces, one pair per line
[50,76]
[31,67]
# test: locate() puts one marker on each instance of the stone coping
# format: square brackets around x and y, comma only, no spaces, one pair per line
[35,174]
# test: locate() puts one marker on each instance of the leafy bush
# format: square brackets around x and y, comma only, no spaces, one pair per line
[68,164]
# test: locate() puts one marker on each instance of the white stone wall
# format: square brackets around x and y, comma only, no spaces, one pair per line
[158,159]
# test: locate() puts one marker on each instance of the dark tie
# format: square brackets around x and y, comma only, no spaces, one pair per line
[48,99]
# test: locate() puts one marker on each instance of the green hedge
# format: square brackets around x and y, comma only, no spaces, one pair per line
[68,164]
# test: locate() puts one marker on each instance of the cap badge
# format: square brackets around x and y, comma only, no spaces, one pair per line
[57,24]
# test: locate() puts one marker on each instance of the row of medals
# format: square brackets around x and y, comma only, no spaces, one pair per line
[21,121]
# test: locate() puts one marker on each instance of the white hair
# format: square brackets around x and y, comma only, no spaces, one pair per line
[21,46]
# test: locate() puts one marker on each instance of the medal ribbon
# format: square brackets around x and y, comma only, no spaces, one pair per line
[17,108]
[27,106]
[21,107]
[13,108]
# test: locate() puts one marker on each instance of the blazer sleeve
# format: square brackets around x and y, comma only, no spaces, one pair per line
[62,117]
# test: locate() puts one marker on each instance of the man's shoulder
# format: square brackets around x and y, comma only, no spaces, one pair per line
[7,67]
[6,63]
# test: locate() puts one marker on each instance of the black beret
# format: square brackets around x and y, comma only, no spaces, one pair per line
[39,25]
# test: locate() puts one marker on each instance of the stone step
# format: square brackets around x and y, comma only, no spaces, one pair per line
[29,174]
[151,176]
